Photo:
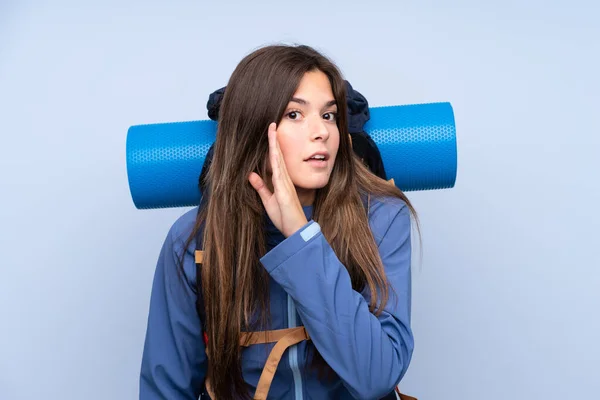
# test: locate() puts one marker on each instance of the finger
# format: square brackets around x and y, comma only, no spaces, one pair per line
[272,134]
[283,168]
[259,185]
[284,178]
[274,153]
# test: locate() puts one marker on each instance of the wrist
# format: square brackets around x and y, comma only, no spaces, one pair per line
[297,226]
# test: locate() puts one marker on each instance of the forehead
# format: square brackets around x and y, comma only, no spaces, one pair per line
[315,86]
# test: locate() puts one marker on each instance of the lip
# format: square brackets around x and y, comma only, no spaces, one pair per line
[318,153]
[319,164]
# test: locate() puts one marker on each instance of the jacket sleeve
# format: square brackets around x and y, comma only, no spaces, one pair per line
[174,359]
[370,354]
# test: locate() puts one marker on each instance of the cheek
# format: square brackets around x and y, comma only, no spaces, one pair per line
[334,140]
[291,148]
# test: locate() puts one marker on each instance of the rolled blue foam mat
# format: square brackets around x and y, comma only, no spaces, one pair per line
[417,144]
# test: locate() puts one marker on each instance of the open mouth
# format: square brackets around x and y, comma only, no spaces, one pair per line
[318,157]
[318,161]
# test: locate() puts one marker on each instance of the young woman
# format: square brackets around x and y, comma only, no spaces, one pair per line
[295,236]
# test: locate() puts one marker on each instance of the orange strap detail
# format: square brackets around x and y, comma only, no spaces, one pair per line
[284,338]
[264,383]
[199,255]
[406,397]
[261,337]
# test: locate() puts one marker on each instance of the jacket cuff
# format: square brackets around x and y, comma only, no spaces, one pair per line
[290,246]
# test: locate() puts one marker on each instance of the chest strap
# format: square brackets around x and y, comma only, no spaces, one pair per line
[283,338]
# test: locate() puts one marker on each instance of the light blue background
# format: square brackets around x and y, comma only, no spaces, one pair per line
[507,293]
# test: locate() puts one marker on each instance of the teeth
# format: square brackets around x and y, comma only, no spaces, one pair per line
[318,157]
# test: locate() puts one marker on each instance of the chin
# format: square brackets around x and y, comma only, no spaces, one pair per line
[313,184]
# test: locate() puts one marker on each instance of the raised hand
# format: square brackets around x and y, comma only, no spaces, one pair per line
[283,205]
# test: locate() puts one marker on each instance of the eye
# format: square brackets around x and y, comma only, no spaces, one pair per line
[330,116]
[294,115]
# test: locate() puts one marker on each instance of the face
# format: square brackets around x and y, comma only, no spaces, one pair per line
[308,135]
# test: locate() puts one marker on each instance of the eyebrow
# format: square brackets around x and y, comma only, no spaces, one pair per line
[305,103]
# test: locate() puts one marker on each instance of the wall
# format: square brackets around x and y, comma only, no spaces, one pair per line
[506,295]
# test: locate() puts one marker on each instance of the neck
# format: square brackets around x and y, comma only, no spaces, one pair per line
[306,196]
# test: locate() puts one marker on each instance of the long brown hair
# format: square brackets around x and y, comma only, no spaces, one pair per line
[234,284]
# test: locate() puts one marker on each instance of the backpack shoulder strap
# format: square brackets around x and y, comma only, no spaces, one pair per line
[199,257]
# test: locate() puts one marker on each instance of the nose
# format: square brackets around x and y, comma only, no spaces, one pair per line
[318,128]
